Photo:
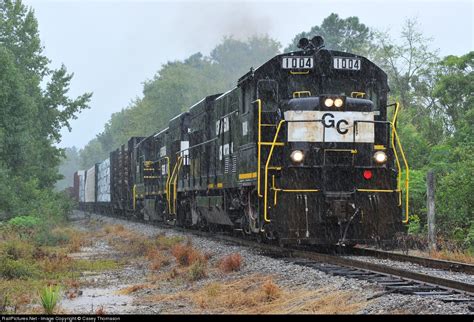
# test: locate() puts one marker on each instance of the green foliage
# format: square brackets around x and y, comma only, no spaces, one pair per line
[175,87]
[414,226]
[470,239]
[47,237]
[340,34]
[16,269]
[455,89]
[197,270]
[17,249]
[454,195]
[24,222]
[49,297]
[34,106]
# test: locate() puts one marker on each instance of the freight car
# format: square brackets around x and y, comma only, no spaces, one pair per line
[300,151]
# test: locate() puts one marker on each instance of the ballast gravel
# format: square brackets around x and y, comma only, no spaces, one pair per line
[455,276]
[292,276]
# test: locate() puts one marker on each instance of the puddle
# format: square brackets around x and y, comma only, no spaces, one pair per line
[94,298]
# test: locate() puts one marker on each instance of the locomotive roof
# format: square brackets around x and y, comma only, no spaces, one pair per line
[180,115]
[224,94]
[311,52]
[195,104]
[160,132]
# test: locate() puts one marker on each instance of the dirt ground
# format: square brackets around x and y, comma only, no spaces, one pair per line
[158,272]
[170,276]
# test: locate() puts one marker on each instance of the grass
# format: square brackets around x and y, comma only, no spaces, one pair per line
[457,256]
[198,270]
[164,242]
[33,259]
[259,294]
[158,259]
[271,290]
[49,297]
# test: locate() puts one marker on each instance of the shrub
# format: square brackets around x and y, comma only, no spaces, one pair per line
[271,290]
[24,222]
[100,311]
[157,259]
[198,270]
[48,237]
[49,297]
[231,263]
[414,226]
[12,269]
[17,249]
[185,254]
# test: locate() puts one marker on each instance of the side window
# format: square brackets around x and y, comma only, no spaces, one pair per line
[372,95]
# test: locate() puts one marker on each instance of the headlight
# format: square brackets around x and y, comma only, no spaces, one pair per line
[380,157]
[297,156]
[329,102]
[338,102]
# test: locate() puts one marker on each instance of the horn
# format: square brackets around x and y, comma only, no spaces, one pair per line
[317,41]
[303,43]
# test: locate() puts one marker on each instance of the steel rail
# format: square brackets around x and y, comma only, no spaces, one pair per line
[423,261]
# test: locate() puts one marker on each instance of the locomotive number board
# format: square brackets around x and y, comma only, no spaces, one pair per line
[296,62]
[346,63]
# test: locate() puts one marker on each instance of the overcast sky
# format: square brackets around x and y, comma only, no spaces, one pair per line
[113,46]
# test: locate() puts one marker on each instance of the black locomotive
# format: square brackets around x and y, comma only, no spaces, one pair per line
[300,151]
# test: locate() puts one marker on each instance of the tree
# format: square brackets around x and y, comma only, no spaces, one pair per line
[43,111]
[407,64]
[178,85]
[455,89]
[340,34]
[31,116]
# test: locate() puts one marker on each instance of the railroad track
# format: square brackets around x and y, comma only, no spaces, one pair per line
[423,261]
[394,280]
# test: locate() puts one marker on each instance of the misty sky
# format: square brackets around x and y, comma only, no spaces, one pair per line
[113,46]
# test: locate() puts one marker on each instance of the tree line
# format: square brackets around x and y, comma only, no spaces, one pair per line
[34,106]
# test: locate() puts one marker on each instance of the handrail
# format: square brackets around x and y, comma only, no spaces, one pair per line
[168,197]
[259,143]
[407,175]
[397,107]
[175,184]
[396,137]
[265,217]
[167,181]
[298,94]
